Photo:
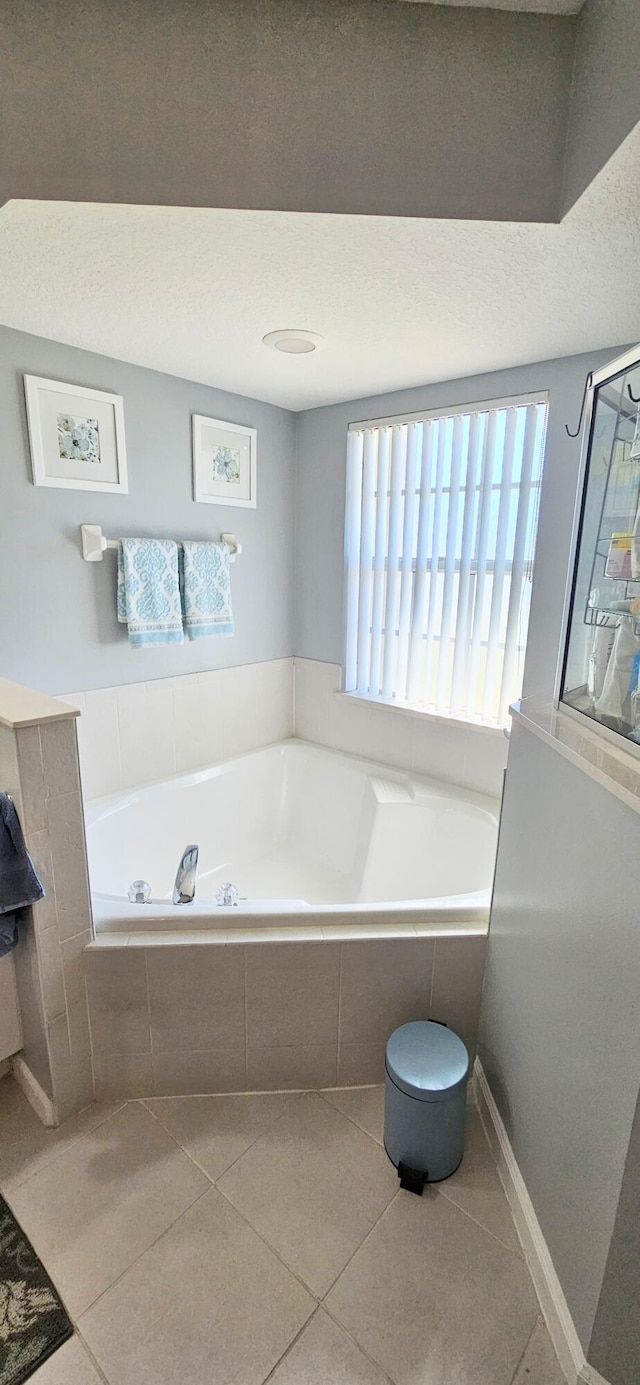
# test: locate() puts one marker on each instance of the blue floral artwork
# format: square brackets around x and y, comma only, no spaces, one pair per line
[78,438]
[226,465]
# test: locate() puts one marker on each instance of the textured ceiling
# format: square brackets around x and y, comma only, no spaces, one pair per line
[401,302]
[525,6]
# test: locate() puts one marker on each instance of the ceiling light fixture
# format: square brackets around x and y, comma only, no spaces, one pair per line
[294,342]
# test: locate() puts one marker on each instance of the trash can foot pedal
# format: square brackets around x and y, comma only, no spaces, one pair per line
[413,1180]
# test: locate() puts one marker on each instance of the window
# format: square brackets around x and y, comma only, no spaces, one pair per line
[440,534]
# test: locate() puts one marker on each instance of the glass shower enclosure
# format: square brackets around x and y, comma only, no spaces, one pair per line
[600,671]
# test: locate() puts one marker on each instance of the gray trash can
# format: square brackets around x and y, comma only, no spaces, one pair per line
[427,1069]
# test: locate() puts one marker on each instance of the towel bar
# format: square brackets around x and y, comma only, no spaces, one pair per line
[94,543]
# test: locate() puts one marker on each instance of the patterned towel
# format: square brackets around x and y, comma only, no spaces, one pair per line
[207,590]
[149,591]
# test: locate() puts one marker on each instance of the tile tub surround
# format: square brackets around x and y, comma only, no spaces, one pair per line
[39,761]
[179,1020]
[473,757]
[139,732]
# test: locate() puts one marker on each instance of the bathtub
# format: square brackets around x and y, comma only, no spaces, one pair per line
[319,844]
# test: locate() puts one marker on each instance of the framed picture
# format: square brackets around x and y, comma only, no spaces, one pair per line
[76,436]
[224,463]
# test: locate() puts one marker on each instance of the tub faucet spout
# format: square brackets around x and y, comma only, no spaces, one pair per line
[187,875]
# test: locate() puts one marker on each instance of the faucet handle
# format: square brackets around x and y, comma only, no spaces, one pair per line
[139,892]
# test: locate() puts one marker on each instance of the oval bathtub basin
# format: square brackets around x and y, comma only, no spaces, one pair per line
[306,835]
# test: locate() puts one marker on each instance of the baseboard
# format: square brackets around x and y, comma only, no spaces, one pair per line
[547,1285]
[36,1096]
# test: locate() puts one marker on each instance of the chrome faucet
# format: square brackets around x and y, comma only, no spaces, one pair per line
[185,883]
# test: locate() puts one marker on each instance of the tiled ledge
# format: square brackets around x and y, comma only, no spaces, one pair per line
[613,768]
[335,932]
[21,707]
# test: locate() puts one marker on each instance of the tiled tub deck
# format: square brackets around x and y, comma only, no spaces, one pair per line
[198,1017]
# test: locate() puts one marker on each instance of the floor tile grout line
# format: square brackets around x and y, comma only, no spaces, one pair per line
[359,1247]
[525,1350]
[215,1181]
[516,1253]
[263,1238]
[77,1321]
[348,1333]
[260,1235]
[291,1345]
[59,1153]
[321,1092]
[295,1096]
[285,1264]
[96,1364]
[176,1142]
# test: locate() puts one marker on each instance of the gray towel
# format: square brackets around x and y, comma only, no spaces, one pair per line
[19,884]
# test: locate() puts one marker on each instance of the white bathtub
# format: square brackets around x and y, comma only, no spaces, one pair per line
[310,837]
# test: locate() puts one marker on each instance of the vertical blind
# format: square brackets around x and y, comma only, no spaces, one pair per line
[439,540]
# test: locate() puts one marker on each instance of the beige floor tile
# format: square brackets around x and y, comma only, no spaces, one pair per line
[216,1130]
[313,1186]
[476,1187]
[364,1105]
[539,1365]
[93,1210]
[325,1355]
[26,1145]
[71,1365]
[434,1299]
[208,1302]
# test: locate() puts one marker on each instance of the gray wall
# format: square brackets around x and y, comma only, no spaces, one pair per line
[615,1342]
[606,90]
[58,628]
[560,1025]
[321,451]
[363,106]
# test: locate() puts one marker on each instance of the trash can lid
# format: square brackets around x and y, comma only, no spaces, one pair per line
[426,1060]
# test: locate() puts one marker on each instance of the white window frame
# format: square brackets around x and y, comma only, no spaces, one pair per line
[376,532]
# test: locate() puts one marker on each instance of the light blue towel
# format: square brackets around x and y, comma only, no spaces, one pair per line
[207,590]
[149,591]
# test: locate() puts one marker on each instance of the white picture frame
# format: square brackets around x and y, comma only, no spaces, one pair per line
[218,445]
[76,436]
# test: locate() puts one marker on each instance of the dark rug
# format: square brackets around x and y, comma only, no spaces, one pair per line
[33,1322]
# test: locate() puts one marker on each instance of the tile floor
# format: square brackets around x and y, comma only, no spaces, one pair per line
[233,1240]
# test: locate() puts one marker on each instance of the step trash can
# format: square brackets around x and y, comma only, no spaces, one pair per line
[427,1069]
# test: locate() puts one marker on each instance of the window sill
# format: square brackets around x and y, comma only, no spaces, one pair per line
[417,714]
